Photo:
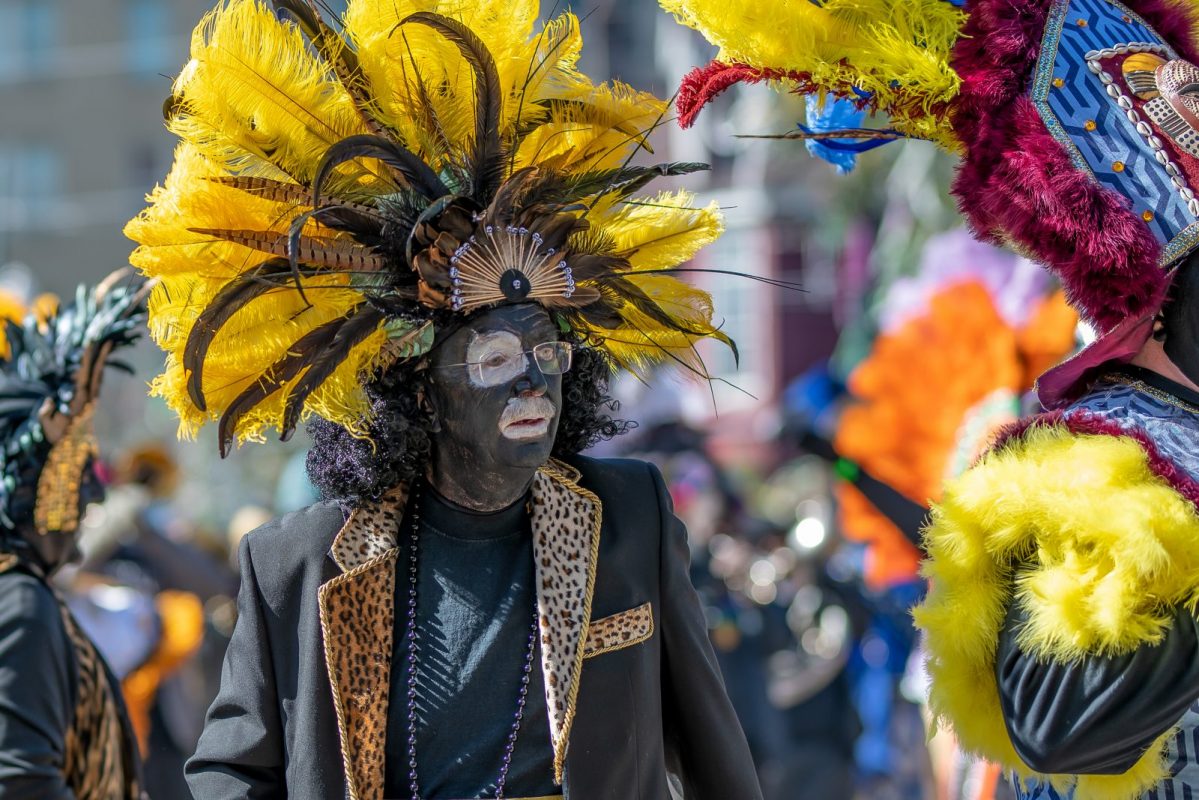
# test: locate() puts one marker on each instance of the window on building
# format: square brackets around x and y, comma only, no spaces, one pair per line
[148,163]
[31,178]
[741,305]
[28,36]
[151,49]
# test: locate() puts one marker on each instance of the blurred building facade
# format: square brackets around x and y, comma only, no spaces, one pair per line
[82,141]
[81,135]
[771,194]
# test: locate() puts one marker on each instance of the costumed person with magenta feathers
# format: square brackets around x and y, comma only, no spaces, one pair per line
[1060,625]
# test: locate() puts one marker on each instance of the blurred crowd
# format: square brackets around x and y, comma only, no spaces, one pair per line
[156,594]
[807,562]
[817,661]
[813,658]
[813,635]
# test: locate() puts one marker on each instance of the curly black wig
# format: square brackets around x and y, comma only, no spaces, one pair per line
[352,471]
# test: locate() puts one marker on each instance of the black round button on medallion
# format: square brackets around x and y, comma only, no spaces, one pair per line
[515,285]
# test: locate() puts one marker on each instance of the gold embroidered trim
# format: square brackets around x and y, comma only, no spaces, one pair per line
[642,618]
[57,505]
[563,469]
[1153,391]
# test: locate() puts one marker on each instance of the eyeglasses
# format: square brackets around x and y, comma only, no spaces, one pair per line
[552,358]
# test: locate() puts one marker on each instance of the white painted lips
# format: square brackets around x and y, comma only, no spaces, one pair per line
[526,418]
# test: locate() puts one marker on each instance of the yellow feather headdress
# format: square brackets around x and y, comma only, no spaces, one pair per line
[339,192]
[892,57]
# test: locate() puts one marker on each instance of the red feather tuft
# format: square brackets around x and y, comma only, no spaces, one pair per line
[702,85]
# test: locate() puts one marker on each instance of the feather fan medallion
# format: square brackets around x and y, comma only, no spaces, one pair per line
[338,189]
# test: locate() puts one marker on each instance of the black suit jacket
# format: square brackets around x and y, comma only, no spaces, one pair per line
[633,688]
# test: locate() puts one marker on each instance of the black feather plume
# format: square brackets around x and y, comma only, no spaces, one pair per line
[351,334]
[233,297]
[487,160]
[415,172]
[316,356]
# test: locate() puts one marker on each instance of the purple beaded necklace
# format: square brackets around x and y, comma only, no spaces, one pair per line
[411,635]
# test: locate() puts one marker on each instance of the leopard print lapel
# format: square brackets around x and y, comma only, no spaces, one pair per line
[357,625]
[566,534]
[358,616]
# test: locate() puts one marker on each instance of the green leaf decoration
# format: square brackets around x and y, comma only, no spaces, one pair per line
[409,341]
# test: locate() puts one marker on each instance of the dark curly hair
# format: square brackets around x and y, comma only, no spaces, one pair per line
[352,471]
[1179,309]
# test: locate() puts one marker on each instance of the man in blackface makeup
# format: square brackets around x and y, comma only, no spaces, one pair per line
[526,603]
[475,610]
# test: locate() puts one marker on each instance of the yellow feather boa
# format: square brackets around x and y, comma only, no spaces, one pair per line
[1096,547]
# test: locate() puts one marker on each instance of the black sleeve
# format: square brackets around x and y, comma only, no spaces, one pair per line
[705,745]
[1097,716]
[907,515]
[240,753]
[36,693]
[184,567]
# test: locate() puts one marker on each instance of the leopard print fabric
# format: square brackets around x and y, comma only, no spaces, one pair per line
[371,531]
[99,745]
[360,656]
[566,525]
[619,630]
[357,619]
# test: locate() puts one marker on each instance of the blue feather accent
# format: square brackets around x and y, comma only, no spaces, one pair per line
[829,116]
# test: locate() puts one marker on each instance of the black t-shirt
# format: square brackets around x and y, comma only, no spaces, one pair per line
[475,613]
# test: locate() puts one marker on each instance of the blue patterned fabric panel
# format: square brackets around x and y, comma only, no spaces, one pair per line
[1183,756]
[1083,98]
[1035,790]
[1175,431]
